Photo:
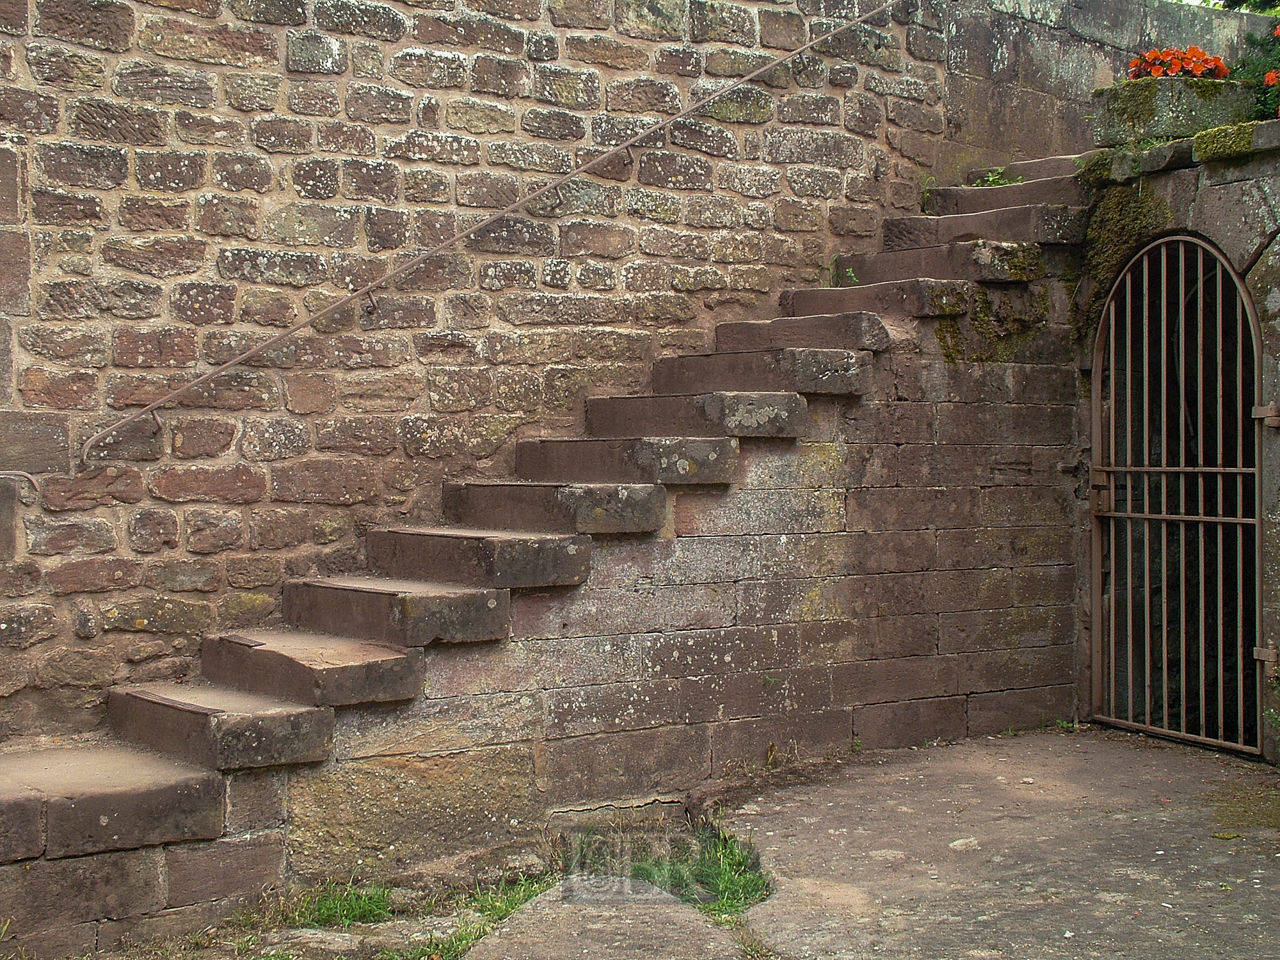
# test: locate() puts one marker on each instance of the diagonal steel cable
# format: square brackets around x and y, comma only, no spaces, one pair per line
[422,258]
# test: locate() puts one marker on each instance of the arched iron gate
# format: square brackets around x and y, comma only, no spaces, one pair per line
[1175,501]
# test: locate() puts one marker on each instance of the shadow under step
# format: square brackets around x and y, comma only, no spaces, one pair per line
[591,508]
[1034,224]
[802,370]
[312,668]
[666,460]
[1064,190]
[904,299]
[220,727]
[722,414]
[403,613]
[485,558]
[858,330]
[78,800]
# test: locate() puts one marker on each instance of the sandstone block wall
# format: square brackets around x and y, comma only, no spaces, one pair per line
[180,180]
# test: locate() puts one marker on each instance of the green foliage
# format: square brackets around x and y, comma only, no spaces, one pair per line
[995,178]
[337,905]
[838,276]
[926,191]
[1262,55]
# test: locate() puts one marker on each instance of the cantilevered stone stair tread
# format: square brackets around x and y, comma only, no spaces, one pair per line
[724,413]
[858,330]
[919,297]
[399,612]
[77,800]
[312,668]
[220,727]
[665,460]
[1037,169]
[591,508]
[982,261]
[1042,223]
[1067,190]
[802,370]
[490,558]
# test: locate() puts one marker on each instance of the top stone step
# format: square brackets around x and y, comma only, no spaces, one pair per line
[1037,169]
[949,201]
[1044,223]
[859,330]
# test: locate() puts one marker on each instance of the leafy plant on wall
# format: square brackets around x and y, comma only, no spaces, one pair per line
[1261,66]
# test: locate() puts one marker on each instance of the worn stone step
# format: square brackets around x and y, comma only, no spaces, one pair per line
[220,727]
[1037,169]
[312,668]
[558,508]
[858,330]
[1043,223]
[77,800]
[918,297]
[667,460]
[981,261]
[485,558]
[403,613]
[1068,190]
[803,370]
[722,414]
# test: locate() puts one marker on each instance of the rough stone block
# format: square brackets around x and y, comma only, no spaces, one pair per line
[21,821]
[995,712]
[625,765]
[890,725]
[239,867]
[34,442]
[804,736]
[49,896]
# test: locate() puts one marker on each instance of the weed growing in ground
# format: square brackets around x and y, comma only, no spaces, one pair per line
[337,905]
[996,178]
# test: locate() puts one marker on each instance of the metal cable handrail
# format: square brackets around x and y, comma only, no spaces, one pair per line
[417,261]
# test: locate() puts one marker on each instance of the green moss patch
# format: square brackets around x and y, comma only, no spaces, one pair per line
[1224,143]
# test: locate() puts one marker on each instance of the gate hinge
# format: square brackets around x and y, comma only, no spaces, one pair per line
[1269,415]
[1266,654]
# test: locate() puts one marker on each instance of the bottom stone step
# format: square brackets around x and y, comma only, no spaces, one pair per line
[73,801]
[725,413]
[219,727]
[591,508]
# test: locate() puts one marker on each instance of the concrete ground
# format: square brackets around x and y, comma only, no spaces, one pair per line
[1087,844]
[1038,846]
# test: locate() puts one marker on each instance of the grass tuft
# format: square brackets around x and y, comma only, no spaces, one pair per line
[336,905]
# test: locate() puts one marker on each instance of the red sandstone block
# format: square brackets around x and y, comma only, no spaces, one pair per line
[611,707]
[623,765]
[888,725]
[844,554]
[721,697]
[992,712]
[255,800]
[50,895]
[1015,669]
[113,934]
[868,638]
[911,508]
[21,821]
[232,867]
[1006,629]
[716,652]
[805,736]
[883,681]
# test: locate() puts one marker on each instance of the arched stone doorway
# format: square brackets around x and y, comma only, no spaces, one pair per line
[1175,492]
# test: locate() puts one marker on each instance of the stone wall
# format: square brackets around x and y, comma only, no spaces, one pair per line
[180,180]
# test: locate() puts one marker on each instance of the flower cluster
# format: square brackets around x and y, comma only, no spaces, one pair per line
[1171,62]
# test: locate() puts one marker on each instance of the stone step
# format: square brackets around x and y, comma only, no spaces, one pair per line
[899,299]
[666,460]
[802,370]
[1067,190]
[1043,223]
[403,613]
[484,558]
[77,800]
[723,414]
[592,508]
[220,727]
[839,331]
[982,261]
[312,668]
[1037,169]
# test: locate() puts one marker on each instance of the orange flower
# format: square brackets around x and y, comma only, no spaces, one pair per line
[1272,78]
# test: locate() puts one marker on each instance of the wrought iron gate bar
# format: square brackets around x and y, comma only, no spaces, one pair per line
[1175,501]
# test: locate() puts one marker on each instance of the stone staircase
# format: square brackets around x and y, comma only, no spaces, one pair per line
[152,830]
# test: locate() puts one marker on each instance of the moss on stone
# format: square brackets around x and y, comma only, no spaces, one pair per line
[996,330]
[1133,101]
[1223,143]
[1122,219]
[1205,88]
